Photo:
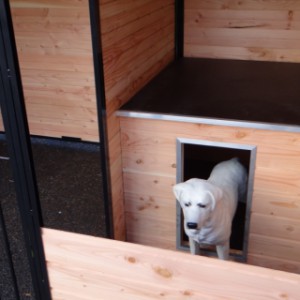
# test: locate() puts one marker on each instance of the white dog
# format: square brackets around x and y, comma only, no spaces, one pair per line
[209,205]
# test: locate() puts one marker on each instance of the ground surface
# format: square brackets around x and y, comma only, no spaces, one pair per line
[70,188]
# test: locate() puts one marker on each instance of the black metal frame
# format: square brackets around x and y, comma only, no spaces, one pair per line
[94,7]
[18,138]
[179,28]
[17,133]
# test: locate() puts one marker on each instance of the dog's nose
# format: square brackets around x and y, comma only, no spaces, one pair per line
[191,225]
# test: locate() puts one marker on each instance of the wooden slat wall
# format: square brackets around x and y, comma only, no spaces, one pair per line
[149,164]
[96,268]
[138,42]
[243,29]
[53,39]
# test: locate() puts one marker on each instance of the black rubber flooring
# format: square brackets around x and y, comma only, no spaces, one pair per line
[253,91]
[69,180]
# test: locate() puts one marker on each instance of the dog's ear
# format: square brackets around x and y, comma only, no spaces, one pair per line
[215,194]
[178,190]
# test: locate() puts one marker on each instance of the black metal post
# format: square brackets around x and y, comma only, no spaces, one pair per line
[94,6]
[179,28]
[17,133]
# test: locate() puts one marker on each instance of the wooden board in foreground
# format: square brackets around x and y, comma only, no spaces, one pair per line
[84,267]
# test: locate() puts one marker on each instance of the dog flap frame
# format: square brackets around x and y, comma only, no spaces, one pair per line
[222,147]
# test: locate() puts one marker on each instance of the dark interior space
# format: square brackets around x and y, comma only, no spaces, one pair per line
[199,161]
[69,180]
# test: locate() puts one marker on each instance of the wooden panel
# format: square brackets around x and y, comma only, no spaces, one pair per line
[151,206]
[274,247]
[150,209]
[276,264]
[83,267]
[283,228]
[139,69]
[142,161]
[157,231]
[252,30]
[149,183]
[55,53]
[149,165]
[152,216]
[138,42]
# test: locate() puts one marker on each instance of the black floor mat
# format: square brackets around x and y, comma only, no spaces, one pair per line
[69,180]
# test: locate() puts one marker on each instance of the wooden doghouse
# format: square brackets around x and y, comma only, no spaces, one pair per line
[237,83]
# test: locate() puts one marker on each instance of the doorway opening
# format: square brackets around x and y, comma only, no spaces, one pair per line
[196,159]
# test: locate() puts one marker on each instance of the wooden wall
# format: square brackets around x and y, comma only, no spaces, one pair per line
[55,54]
[138,42]
[149,165]
[96,268]
[243,29]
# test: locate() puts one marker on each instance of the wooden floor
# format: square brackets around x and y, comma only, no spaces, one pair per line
[83,267]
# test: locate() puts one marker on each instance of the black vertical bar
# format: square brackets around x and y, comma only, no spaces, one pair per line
[17,132]
[179,28]
[94,7]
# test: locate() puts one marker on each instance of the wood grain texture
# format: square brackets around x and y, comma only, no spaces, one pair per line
[83,267]
[250,30]
[138,42]
[55,53]
[149,170]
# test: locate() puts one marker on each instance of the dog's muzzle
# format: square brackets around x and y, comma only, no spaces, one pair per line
[191,225]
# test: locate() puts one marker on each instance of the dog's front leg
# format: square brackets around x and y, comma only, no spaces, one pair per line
[223,251]
[194,247]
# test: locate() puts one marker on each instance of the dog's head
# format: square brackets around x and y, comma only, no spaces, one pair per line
[198,199]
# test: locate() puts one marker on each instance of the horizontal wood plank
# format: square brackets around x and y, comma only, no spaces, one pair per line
[243,5]
[273,226]
[54,46]
[62,4]
[156,229]
[275,264]
[250,53]
[284,205]
[83,267]
[117,15]
[154,184]
[245,37]
[274,247]
[249,30]
[151,205]
[148,161]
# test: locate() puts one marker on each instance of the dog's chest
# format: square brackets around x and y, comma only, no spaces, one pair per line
[209,235]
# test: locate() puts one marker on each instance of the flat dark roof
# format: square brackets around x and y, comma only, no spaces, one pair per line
[254,91]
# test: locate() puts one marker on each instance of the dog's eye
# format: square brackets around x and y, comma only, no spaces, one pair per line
[201,205]
[187,204]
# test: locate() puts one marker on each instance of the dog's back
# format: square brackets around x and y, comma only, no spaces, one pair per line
[231,177]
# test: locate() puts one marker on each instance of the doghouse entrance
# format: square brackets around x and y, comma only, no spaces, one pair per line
[196,159]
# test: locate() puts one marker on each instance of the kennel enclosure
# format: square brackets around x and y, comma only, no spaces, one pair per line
[138,44]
